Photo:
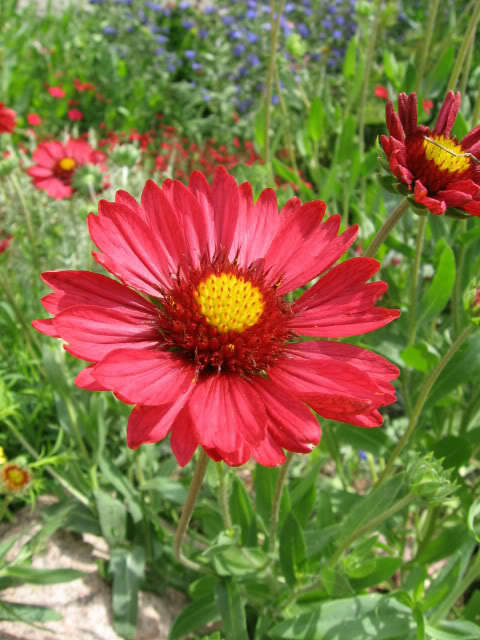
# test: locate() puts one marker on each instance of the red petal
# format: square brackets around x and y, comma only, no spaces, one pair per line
[147,425]
[447,115]
[183,439]
[436,206]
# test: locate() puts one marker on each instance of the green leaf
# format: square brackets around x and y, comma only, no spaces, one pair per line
[242,512]
[441,546]
[27,613]
[239,562]
[292,548]
[195,615]
[349,62]
[336,583]
[42,576]
[232,610]
[167,488]
[346,140]
[128,569]
[391,67]
[265,482]
[437,78]
[453,630]
[365,617]
[113,517]
[463,367]
[121,484]
[439,292]
[260,129]
[384,569]
[316,120]
[418,356]
[474,527]
[374,441]
[454,450]
[371,506]
[318,539]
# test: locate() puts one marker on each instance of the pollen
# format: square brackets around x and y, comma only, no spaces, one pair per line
[67,164]
[229,302]
[446,154]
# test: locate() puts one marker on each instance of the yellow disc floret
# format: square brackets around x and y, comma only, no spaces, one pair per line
[446,154]
[67,164]
[229,302]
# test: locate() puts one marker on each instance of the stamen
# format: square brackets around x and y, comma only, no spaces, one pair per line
[452,153]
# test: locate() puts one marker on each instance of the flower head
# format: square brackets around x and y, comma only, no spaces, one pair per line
[75,114]
[14,478]
[381,92]
[34,119]
[442,173]
[5,242]
[210,349]
[56,164]
[7,119]
[56,92]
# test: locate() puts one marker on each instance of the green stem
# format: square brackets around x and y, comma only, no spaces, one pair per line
[466,68]
[28,225]
[332,446]
[277,500]
[276,12]
[286,121]
[432,16]
[427,387]
[457,293]
[372,39]
[195,486]
[385,229]
[462,53]
[66,485]
[412,309]
[222,482]
[476,109]
[370,526]
[457,592]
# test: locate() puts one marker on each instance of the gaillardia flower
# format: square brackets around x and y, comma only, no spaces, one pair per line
[199,333]
[56,164]
[443,174]
[14,478]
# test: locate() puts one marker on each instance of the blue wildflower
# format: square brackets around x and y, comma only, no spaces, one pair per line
[238,49]
[303,30]
[109,31]
[203,33]
[253,59]
[190,54]
[187,24]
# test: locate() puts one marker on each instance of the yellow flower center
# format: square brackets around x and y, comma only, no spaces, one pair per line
[229,303]
[67,164]
[3,459]
[446,154]
[16,477]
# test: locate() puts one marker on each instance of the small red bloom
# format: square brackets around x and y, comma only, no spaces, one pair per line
[7,119]
[381,92]
[75,114]
[34,119]
[427,106]
[210,350]
[83,86]
[441,172]
[55,165]
[56,92]
[5,243]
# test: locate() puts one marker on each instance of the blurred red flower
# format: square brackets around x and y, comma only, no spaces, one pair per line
[75,114]
[5,243]
[34,119]
[55,165]
[381,92]
[56,92]
[7,119]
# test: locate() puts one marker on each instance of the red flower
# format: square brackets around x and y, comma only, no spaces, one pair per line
[55,165]
[56,92]
[75,114]
[441,171]
[427,106]
[5,243]
[209,349]
[381,92]
[7,119]
[34,119]
[14,479]
[83,86]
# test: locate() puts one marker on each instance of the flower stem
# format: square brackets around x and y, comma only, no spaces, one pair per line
[412,309]
[385,229]
[457,293]
[427,387]
[28,225]
[222,480]
[457,592]
[432,16]
[277,499]
[276,12]
[195,486]
[462,52]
